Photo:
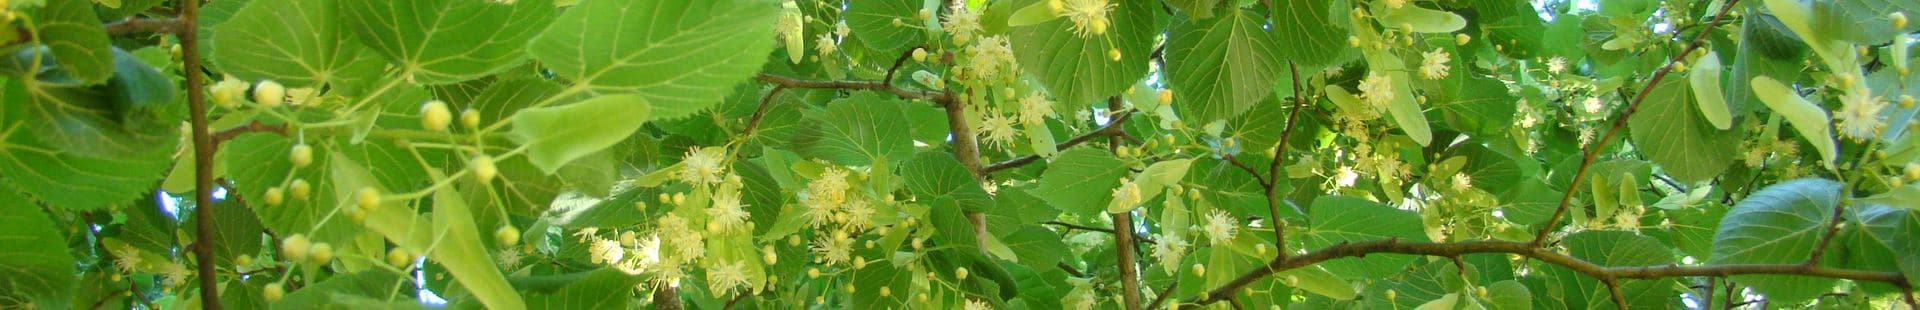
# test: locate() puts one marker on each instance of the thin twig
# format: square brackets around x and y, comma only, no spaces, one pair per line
[1527,249]
[1593,152]
[1162,298]
[898,61]
[761,111]
[253,126]
[903,93]
[143,25]
[1113,128]
[1080,227]
[1613,292]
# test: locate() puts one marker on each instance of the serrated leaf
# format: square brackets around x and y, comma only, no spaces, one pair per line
[1669,130]
[1080,181]
[683,56]
[1898,229]
[446,41]
[937,174]
[1340,219]
[79,44]
[888,26]
[296,43]
[1078,70]
[35,261]
[1313,30]
[67,179]
[860,130]
[1221,67]
[1778,224]
[558,135]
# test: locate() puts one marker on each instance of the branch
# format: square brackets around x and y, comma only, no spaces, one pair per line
[1112,128]
[1394,246]
[203,149]
[1634,106]
[1080,227]
[144,25]
[1162,299]
[254,126]
[761,111]
[1123,233]
[903,93]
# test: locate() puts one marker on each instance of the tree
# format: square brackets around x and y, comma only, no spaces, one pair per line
[958,154]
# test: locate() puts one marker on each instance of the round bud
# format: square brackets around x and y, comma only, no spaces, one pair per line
[1913,172]
[897,22]
[243,261]
[680,198]
[273,292]
[1113,53]
[300,189]
[920,55]
[470,119]
[859,262]
[918,243]
[483,169]
[1199,270]
[1898,19]
[301,155]
[275,196]
[886,291]
[398,257]
[367,198]
[434,115]
[229,92]
[1906,101]
[295,247]
[1353,41]
[1461,39]
[1099,26]
[925,14]
[1165,96]
[960,273]
[507,235]
[768,255]
[1056,6]
[322,253]
[269,93]
[813,273]
[1391,295]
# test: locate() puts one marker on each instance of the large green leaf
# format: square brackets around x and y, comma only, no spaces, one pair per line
[34,261]
[128,115]
[604,288]
[1220,67]
[935,174]
[79,43]
[297,43]
[66,179]
[683,56]
[558,135]
[860,130]
[1342,219]
[1778,224]
[874,22]
[1037,247]
[1080,181]
[1314,32]
[446,41]
[1670,131]
[1079,71]
[1899,230]
[258,162]
[1613,249]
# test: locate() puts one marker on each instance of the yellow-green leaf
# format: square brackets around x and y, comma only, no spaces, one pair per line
[1811,120]
[1705,79]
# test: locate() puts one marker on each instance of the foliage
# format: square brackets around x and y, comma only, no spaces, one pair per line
[1020,154]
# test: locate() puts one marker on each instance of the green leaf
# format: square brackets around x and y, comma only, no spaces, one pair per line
[1221,67]
[1037,247]
[34,262]
[1035,13]
[329,293]
[604,288]
[1425,20]
[1508,295]
[683,56]
[126,116]
[446,41]
[1158,176]
[67,179]
[1809,119]
[874,23]
[1313,31]
[937,174]
[1080,181]
[258,162]
[1613,249]
[79,43]
[860,130]
[298,44]
[1899,230]
[1778,224]
[868,282]
[1671,132]
[1704,80]
[1342,219]
[1318,281]
[236,232]
[557,135]
[1079,71]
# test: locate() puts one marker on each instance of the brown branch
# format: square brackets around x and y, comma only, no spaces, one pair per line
[761,111]
[1113,128]
[1123,234]
[1527,249]
[1257,177]
[143,25]
[253,126]
[203,149]
[898,61]
[1593,152]
[1080,227]
[666,297]
[1162,298]
[1613,292]
[903,93]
